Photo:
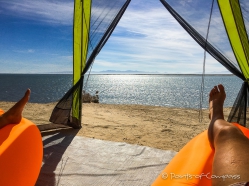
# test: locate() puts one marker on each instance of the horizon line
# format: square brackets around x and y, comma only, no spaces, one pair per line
[58,73]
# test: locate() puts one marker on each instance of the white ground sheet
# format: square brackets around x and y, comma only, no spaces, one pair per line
[79,161]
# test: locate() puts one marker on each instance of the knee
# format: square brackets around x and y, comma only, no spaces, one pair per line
[229,131]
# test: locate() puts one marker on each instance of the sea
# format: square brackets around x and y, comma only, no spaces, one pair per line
[182,91]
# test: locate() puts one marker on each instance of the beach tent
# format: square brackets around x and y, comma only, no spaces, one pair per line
[220,27]
[94,21]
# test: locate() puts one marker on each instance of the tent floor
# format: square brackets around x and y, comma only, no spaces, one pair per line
[80,161]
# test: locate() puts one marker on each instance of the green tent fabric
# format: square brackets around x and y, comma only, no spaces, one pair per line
[82,12]
[227,43]
[236,31]
[235,27]
[94,21]
[221,28]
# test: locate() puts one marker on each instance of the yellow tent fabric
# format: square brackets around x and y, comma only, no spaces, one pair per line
[82,12]
[94,22]
[236,31]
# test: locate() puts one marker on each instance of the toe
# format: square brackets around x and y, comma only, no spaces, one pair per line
[221,88]
[212,92]
[27,93]
[215,89]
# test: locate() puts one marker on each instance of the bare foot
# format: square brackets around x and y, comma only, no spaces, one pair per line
[217,97]
[14,114]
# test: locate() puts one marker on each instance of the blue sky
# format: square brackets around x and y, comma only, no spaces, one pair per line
[36,37]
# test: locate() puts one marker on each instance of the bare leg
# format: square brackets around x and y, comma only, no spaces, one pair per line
[14,114]
[230,144]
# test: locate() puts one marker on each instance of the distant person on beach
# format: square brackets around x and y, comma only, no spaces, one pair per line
[14,114]
[230,145]
[95,98]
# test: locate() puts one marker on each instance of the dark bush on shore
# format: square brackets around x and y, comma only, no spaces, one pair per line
[88,98]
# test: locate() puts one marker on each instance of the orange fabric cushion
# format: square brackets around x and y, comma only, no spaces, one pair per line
[21,152]
[193,164]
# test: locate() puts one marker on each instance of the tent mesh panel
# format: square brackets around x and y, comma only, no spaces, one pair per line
[105,15]
[239,109]
[194,16]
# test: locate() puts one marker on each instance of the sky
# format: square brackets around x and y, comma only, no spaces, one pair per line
[36,37]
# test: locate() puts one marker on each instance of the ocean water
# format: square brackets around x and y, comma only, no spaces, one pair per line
[159,90]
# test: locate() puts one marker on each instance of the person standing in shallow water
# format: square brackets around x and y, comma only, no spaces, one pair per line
[231,146]
[14,114]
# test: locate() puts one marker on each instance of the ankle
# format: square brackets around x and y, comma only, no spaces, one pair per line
[217,117]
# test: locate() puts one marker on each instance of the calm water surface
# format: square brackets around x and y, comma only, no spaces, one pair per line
[161,90]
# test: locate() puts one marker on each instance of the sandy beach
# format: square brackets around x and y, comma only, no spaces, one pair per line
[153,126]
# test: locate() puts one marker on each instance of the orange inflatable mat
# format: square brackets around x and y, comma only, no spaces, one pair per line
[192,165]
[21,152]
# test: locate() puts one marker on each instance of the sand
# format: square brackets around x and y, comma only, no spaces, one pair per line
[159,127]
